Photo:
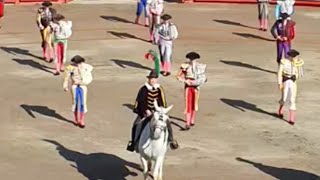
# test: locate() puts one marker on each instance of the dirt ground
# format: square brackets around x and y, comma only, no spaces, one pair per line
[236,136]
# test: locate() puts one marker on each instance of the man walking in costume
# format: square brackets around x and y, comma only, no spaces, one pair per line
[44,18]
[166,32]
[188,74]
[78,73]
[62,31]
[290,70]
[142,7]
[154,10]
[144,107]
[283,31]
[263,11]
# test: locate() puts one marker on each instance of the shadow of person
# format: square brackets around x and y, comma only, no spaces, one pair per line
[252,36]
[124,63]
[97,166]
[15,51]
[282,173]
[33,64]
[43,110]
[245,65]
[243,106]
[228,22]
[116,19]
[126,35]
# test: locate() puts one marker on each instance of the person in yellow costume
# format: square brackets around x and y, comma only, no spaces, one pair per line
[290,70]
[78,73]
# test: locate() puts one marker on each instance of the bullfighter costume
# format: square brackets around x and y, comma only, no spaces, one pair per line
[142,7]
[144,104]
[60,43]
[283,31]
[78,88]
[155,9]
[263,11]
[290,70]
[166,33]
[45,16]
[284,6]
[188,74]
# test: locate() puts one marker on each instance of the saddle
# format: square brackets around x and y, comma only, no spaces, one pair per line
[140,127]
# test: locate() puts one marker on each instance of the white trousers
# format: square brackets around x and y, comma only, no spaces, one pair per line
[289,91]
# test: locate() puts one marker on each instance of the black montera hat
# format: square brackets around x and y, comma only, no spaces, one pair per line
[293,53]
[284,15]
[152,74]
[192,56]
[166,17]
[46,3]
[77,59]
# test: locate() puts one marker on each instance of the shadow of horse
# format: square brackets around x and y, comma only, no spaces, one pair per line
[97,166]
[282,173]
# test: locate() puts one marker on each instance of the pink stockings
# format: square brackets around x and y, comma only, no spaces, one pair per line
[79,121]
[263,24]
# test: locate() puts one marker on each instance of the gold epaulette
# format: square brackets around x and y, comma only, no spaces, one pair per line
[298,62]
[184,65]
[284,61]
[69,68]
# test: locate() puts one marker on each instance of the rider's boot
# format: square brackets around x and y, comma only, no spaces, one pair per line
[131,143]
[173,143]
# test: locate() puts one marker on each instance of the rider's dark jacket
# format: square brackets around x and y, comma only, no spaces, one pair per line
[145,99]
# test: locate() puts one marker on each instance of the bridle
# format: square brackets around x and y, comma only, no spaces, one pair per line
[154,126]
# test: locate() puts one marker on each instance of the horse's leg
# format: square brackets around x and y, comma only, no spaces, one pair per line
[161,168]
[156,169]
[145,167]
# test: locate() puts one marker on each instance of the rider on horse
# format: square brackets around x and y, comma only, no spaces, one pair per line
[144,107]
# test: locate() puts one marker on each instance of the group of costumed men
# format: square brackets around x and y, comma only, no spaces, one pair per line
[290,67]
[191,73]
[55,32]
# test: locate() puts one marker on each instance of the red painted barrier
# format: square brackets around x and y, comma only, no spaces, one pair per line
[298,2]
[1,8]
[35,1]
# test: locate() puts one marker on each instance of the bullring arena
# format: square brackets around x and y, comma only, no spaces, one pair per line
[236,137]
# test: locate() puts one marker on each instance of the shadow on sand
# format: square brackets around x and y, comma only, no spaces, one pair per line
[228,22]
[33,64]
[243,106]
[127,63]
[116,19]
[282,173]
[123,35]
[97,166]
[245,65]
[253,36]
[45,111]
[16,51]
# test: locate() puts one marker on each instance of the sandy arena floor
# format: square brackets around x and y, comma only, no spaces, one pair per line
[236,136]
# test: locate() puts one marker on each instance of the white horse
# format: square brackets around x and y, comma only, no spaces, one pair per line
[153,143]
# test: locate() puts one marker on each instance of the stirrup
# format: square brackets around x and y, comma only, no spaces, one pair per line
[130,146]
[174,144]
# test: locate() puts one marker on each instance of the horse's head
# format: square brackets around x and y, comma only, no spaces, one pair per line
[159,120]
